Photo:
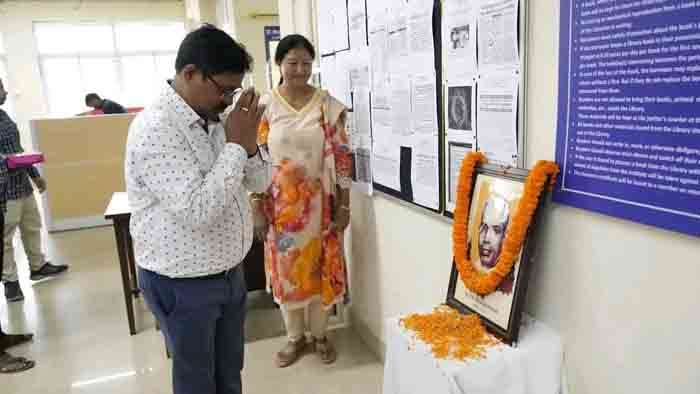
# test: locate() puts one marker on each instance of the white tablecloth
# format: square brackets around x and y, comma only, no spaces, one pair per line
[534,367]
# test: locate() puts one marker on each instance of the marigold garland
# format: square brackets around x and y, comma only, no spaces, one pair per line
[483,283]
[451,334]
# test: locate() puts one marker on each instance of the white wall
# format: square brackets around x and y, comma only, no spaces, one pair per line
[250,31]
[198,12]
[625,297]
[297,16]
[226,16]
[247,20]
[16,18]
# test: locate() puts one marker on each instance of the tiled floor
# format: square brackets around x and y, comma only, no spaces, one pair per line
[82,343]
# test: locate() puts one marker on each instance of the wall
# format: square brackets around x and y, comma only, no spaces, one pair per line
[246,28]
[16,19]
[297,16]
[623,296]
[250,32]
[198,12]
[226,16]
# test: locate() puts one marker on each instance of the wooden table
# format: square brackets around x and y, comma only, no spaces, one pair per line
[119,213]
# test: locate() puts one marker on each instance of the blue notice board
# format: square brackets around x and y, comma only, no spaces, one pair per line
[272,33]
[628,135]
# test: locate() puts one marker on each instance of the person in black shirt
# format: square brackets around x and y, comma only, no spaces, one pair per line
[8,362]
[107,106]
[21,212]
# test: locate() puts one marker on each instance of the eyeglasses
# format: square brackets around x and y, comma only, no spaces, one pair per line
[228,93]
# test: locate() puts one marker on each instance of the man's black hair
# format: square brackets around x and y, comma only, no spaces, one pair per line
[213,52]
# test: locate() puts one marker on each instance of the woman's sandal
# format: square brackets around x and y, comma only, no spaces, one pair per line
[290,353]
[325,350]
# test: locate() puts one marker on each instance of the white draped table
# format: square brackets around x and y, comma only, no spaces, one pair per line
[533,367]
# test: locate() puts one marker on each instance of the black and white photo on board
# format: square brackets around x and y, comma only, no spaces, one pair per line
[459,107]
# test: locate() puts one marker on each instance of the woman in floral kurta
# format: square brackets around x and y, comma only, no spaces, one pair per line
[307,206]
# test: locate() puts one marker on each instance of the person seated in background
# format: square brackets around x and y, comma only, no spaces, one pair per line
[107,107]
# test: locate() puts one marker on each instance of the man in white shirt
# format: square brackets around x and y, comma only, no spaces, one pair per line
[188,178]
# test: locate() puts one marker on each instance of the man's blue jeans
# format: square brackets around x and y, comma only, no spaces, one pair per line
[202,320]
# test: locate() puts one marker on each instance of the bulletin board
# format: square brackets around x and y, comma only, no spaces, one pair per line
[382,59]
[630,148]
[483,64]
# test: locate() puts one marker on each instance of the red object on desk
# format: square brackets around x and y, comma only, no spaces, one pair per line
[22,160]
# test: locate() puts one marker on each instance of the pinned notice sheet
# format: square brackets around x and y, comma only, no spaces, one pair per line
[498,34]
[497,118]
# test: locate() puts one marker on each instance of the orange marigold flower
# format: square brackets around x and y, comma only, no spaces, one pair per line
[451,334]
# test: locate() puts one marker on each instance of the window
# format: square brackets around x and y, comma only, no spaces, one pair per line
[124,61]
[8,107]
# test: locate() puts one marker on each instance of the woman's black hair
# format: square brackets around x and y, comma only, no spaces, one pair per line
[292,41]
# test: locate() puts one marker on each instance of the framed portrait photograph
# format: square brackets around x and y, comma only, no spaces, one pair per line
[496,193]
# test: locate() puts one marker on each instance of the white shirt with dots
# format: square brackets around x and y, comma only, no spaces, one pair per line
[188,191]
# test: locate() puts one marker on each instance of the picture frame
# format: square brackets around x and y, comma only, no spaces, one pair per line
[496,191]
